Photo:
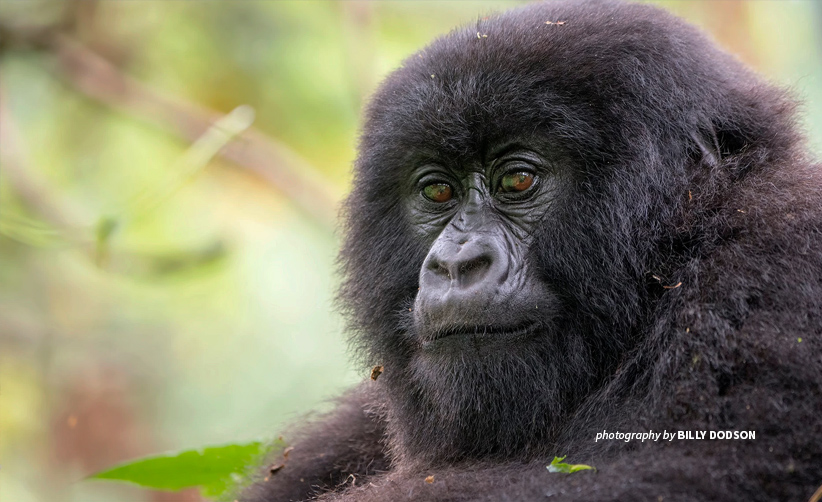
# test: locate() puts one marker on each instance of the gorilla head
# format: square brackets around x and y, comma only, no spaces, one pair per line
[527,193]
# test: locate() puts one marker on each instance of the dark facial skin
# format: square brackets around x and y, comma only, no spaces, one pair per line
[476,284]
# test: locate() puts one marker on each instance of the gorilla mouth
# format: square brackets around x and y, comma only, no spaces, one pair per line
[480,333]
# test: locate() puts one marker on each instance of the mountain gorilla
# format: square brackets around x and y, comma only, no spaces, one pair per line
[566,219]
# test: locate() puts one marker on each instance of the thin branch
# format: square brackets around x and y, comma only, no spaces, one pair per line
[269,159]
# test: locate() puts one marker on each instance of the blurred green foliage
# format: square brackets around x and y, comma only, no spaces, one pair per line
[214,470]
[210,317]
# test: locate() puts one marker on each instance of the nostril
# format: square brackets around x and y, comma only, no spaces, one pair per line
[439,268]
[469,266]
[473,270]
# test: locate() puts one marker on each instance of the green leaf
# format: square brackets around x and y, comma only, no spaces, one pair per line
[214,469]
[557,465]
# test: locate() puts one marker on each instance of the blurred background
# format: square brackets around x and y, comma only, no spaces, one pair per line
[166,283]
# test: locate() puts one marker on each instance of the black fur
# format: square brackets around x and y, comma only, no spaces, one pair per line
[684,249]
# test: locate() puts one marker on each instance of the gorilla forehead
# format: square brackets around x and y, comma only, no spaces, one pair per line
[579,82]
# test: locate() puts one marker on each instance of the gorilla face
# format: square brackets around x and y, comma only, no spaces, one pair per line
[484,363]
[477,286]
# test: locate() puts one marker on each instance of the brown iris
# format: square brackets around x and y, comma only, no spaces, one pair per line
[516,182]
[438,192]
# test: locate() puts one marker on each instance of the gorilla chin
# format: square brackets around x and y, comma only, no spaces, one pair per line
[467,397]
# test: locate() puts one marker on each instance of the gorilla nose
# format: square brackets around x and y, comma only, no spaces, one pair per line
[462,270]
[458,271]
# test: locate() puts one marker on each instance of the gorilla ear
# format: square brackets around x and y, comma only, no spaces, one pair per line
[707,142]
[716,143]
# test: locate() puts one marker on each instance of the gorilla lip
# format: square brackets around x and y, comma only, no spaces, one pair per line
[488,332]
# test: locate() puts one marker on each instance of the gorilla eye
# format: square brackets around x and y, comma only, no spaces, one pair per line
[516,182]
[438,192]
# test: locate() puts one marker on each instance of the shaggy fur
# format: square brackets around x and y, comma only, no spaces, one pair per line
[685,250]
